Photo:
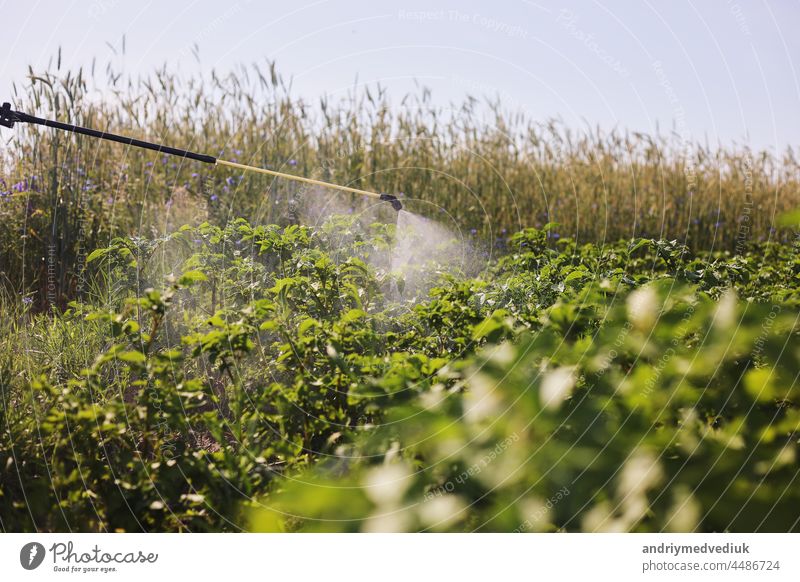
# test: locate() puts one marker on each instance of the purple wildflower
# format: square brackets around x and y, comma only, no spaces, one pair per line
[27,300]
[292,162]
[214,198]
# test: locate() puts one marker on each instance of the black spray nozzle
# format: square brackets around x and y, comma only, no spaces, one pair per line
[393,201]
[8,117]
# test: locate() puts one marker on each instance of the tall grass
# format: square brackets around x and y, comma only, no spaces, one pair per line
[485,169]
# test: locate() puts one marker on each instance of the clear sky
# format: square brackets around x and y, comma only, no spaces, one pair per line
[716,70]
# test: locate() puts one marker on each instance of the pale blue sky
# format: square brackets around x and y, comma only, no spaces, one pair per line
[718,70]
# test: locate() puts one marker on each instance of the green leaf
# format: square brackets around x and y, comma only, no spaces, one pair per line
[575,275]
[353,315]
[97,254]
[493,327]
[760,384]
[790,219]
[192,277]
[133,356]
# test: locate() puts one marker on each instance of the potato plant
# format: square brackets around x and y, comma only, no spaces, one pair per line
[275,378]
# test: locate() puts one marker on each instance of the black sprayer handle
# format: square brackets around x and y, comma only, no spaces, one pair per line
[8,117]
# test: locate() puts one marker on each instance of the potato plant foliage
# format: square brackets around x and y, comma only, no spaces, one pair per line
[268,378]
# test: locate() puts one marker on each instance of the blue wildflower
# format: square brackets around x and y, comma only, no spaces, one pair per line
[214,198]
[27,300]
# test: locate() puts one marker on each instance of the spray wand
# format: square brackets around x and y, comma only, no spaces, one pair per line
[8,118]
